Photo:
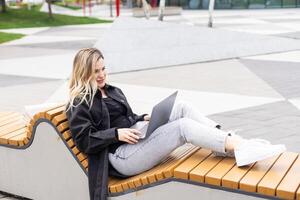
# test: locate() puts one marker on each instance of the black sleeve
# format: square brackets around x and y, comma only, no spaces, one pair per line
[139,117]
[86,136]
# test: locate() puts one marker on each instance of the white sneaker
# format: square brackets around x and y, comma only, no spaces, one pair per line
[250,151]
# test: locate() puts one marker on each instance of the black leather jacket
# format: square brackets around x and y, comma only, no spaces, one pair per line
[91,131]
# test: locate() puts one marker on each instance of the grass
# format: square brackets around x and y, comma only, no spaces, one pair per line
[5,37]
[23,18]
[68,6]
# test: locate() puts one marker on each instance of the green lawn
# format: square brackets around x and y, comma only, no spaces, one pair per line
[68,6]
[23,18]
[5,37]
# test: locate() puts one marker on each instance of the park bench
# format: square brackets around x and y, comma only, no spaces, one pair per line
[39,160]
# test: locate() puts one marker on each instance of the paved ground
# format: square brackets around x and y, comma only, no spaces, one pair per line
[258,96]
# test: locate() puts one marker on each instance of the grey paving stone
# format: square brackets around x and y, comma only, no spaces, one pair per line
[129,42]
[284,77]
[8,52]
[293,35]
[74,45]
[211,77]
[75,31]
[16,97]
[280,20]
[279,127]
[10,80]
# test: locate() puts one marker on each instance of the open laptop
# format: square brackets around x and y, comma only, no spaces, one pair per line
[160,115]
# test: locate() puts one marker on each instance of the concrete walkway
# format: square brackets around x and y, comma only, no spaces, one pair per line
[257,95]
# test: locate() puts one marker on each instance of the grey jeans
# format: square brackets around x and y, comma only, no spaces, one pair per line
[186,125]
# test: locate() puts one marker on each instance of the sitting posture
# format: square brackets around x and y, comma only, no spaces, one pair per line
[100,120]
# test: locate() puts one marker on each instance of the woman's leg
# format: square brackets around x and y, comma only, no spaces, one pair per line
[182,109]
[133,159]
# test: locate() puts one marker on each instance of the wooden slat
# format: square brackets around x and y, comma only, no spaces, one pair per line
[250,181]
[137,181]
[52,113]
[271,180]
[298,194]
[287,189]
[59,119]
[161,173]
[26,140]
[11,127]
[10,119]
[169,171]
[150,178]
[81,157]
[18,139]
[43,114]
[63,126]
[3,114]
[4,138]
[199,172]
[36,117]
[233,177]
[214,177]
[111,182]
[183,170]
[75,150]
[67,135]
[71,143]
[85,163]
[30,128]
[142,179]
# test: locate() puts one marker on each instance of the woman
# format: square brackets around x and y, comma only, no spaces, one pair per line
[100,119]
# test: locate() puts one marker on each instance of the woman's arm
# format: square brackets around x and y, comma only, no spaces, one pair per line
[86,136]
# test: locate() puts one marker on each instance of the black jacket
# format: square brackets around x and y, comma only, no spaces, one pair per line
[91,131]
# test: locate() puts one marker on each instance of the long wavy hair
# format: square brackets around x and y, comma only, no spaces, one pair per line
[83,85]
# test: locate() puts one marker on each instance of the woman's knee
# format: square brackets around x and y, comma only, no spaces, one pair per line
[181,105]
[186,123]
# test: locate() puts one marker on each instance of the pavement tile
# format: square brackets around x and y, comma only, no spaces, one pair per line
[22,51]
[73,45]
[17,96]
[284,77]
[212,77]
[279,127]
[9,80]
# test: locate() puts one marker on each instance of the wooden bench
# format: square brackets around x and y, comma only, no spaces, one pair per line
[188,171]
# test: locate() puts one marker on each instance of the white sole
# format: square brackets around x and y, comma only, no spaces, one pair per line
[248,161]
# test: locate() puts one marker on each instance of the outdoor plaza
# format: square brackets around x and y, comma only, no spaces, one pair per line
[243,73]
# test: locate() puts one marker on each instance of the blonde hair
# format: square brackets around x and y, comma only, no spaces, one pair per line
[82,85]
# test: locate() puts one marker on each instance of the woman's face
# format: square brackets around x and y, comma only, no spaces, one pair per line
[100,73]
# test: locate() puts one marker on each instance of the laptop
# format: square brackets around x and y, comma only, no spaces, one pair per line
[160,115]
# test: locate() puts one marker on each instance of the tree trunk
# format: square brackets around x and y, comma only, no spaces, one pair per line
[49,8]
[146,8]
[3,6]
[161,10]
[210,13]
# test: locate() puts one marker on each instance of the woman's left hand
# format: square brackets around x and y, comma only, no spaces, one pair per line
[147,118]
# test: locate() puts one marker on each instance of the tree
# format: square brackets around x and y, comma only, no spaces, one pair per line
[3,6]
[49,8]
[210,13]
[161,10]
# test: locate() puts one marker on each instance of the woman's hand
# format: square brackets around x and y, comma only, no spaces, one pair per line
[129,135]
[147,118]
